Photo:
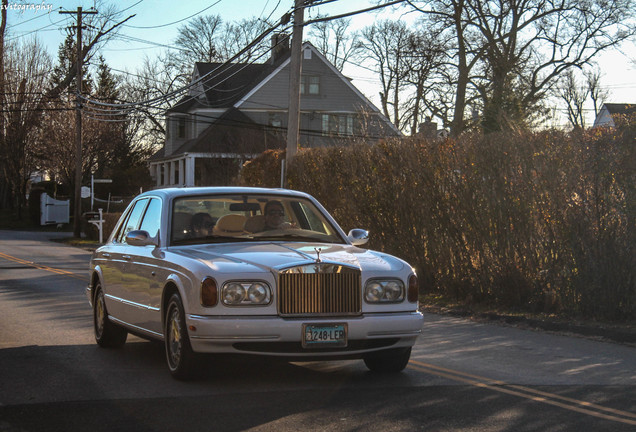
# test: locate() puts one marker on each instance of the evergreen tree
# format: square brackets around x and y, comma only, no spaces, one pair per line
[66,60]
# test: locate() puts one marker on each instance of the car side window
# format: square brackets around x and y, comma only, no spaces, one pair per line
[133,220]
[152,217]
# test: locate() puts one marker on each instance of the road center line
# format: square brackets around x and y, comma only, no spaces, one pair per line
[527,393]
[41,266]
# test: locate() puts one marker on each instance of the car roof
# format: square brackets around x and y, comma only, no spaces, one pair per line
[171,193]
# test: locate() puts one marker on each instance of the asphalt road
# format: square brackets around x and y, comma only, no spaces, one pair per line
[463,376]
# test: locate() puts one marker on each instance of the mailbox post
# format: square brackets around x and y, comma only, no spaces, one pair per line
[99,222]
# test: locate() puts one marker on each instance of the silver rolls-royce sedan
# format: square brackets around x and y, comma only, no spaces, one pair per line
[252,271]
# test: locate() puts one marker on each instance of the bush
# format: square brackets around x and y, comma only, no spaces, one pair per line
[539,222]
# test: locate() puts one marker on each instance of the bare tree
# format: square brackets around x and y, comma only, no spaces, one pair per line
[574,95]
[450,20]
[385,44]
[156,79]
[335,41]
[26,69]
[4,190]
[31,98]
[513,52]
[237,35]
[598,94]
[423,62]
[198,39]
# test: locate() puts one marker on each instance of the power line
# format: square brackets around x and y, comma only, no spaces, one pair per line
[203,79]
[357,12]
[178,21]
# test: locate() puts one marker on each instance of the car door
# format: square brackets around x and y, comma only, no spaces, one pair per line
[121,266]
[110,260]
[144,279]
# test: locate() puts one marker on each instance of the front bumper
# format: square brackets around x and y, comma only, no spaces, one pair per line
[276,336]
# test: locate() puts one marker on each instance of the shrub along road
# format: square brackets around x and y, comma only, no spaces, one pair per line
[463,375]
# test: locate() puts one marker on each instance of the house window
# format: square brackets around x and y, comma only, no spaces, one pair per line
[275,120]
[337,124]
[310,84]
[181,127]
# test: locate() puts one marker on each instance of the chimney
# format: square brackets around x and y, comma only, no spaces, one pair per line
[428,129]
[280,46]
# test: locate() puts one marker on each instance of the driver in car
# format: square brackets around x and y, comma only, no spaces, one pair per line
[275,216]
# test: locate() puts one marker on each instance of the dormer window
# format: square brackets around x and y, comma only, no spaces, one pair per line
[181,127]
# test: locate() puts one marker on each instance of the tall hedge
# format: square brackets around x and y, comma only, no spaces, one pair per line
[537,221]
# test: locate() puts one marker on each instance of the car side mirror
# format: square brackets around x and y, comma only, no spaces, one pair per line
[358,236]
[141,238]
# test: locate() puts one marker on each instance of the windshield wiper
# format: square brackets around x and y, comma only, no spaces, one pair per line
[211,239]
[287,237]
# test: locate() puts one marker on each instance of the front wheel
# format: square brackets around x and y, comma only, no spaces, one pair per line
[107,334]
[179,352]
[388,361]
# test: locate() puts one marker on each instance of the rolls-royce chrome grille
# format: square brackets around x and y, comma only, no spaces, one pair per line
[324,290]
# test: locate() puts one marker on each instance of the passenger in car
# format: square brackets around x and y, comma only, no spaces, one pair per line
[201,225]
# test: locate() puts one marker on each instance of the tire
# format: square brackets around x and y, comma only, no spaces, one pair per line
[179,354]
[107,334]
[388,361]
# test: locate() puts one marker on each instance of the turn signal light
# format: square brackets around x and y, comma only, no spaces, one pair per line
[414,289]
[209,292]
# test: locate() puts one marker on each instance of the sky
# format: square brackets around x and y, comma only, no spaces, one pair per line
[157,22]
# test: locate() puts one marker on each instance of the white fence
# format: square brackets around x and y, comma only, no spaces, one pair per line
[54,211]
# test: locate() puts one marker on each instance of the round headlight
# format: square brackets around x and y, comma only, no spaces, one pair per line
[374,292]
[258,294]
[392,291]
[233,294]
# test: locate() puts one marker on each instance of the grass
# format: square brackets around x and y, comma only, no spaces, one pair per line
[440,304]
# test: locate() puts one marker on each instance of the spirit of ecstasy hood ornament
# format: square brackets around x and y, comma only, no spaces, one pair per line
[318,250]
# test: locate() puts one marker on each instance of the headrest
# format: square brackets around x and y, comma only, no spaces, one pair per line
[228,225]
[180,225]
[254,224]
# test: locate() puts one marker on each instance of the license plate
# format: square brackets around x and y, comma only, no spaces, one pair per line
[324,335]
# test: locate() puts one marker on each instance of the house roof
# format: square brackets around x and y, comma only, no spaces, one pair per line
[226,83]
[233,132]
[620,108]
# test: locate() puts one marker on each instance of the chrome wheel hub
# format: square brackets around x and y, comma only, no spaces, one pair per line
[174,338]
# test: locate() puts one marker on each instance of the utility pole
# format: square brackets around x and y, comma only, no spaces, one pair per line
[295,69]
[77,211]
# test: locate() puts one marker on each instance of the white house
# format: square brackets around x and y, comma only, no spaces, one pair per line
[605,116]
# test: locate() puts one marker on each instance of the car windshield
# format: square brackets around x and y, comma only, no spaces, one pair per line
[249,218]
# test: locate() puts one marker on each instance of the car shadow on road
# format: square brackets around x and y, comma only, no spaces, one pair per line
[84,387]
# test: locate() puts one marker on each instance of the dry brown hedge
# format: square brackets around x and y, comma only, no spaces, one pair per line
[537,221]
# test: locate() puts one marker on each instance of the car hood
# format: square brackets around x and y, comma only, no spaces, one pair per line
[276,256]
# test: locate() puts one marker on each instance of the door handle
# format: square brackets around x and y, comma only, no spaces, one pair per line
[106,255]
[127,257]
